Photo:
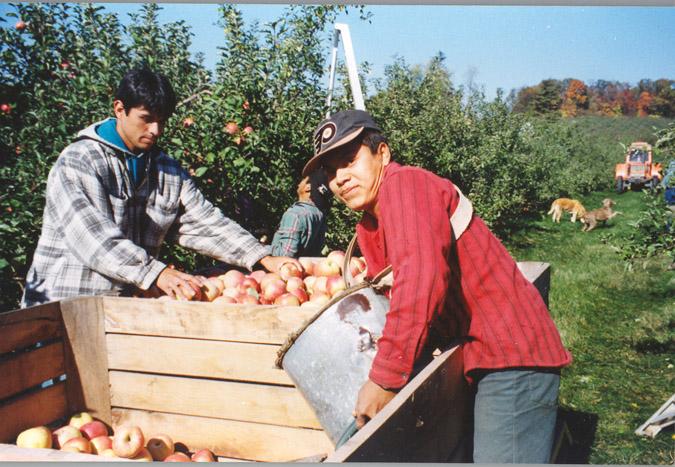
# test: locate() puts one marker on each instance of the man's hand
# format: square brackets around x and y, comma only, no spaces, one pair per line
[372,398]
[179,285]
[273,263]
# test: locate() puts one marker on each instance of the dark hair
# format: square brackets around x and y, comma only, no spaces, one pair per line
[146,88]
[373,139]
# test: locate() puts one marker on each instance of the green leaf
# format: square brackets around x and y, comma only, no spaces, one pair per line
[201,171]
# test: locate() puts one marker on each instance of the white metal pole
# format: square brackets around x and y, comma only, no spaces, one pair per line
[354,83]
[331,71]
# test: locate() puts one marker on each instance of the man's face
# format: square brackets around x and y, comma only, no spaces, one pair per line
[355,174]
[139,128]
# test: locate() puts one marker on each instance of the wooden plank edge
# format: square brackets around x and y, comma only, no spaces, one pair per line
[12,453]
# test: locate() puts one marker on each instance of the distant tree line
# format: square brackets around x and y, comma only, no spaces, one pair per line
[572,97]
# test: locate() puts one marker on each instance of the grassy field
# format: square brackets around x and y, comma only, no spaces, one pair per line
[619,326]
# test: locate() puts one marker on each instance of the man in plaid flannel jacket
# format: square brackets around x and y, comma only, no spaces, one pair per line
[302,229]
[113,197]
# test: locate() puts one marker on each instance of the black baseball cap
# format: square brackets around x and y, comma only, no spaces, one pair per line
[337,130]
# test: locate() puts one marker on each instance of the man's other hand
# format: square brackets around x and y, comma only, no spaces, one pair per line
[273,263]
[372,398]
[179,285]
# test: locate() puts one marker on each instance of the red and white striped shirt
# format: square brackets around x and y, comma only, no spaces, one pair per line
[475,292]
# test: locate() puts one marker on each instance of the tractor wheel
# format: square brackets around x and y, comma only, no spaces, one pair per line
[619,185]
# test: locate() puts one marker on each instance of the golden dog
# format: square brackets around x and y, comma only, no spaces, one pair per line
[603,214]
[569,205]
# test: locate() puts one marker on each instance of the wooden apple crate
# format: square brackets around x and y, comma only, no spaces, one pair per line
[204,374]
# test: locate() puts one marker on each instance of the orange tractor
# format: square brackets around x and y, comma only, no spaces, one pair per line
[639,168]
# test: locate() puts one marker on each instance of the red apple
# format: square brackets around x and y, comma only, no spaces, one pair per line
[108,453]
[209,290]
[63,434]
[100,444]
[177,457]
[128,441]
[327,267]
[287,299]
[80,444]
[245,298]
[232,278]
[160,446]
[258,275]
[300,294]
[273,290]
[36,437]
[307,265]
[188,122]
[5,108]
[245,105]
[65,65]
[320,285]
[319,298]
[219,283]
[248,130]
[269,277]
[338,256]
[143,456]
[225,299]
[80,419]
[335,285]
[249,283]
[309,283]
[93,429]
[231,128]
[20,25]
[356,266]
[288,270]
[294,283]
[203,455]
[230,292]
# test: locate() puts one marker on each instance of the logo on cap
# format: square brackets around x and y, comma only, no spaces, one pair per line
[323,136]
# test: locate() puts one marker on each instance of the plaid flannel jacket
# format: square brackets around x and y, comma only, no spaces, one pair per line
[101,235]
[301,231]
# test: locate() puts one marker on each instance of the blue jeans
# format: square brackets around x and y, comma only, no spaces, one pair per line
[514,416]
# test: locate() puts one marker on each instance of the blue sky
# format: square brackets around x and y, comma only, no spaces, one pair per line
[496,46]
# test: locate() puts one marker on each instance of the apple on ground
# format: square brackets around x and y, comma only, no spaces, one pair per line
[100,444]
[80,419]
[327,267]
[203,455]
[93,429]
[36,437]
[160,446]
[63,434]
[80,444]
[128,441]
[177,457]
[143,456]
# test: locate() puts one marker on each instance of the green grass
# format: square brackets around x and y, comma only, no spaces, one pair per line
[619,326]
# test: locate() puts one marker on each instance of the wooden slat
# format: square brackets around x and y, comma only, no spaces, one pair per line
[424,422]
[23,328]
[38,408]
[211,398]
[238,323]
[195,357]
[11,453]
[240,440]
[28,369]
[86,357]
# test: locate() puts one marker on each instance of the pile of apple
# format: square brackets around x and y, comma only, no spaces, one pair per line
[315,283]
[86,435]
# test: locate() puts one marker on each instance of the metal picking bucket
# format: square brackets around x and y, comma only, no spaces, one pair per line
[331,357]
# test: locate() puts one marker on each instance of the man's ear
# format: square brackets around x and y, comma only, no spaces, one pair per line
[385,153]
[118,108]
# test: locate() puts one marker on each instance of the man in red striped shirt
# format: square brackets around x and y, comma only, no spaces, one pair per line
[448,287]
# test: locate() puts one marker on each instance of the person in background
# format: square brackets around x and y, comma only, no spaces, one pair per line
[113,197]
[302,229]
[450,285]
